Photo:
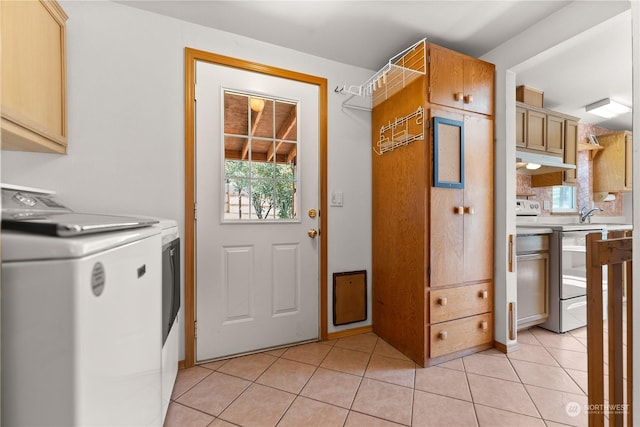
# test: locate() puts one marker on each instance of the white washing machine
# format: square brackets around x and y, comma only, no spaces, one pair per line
[81,337]
[170,308]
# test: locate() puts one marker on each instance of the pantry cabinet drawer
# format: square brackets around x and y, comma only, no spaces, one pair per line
[449,337]
[461,301]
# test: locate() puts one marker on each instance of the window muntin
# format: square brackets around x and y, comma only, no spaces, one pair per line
[260,158]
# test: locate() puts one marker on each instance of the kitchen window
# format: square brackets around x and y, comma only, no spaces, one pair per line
[564,199]
[260,158]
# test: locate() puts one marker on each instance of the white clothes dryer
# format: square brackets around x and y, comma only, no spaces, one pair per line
[81,336]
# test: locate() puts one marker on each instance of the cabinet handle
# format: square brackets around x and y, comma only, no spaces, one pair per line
[442,335]
[468,99]
[442,301]
[484,325]
[458,96]
[469,210]
[483,294]
[458,210]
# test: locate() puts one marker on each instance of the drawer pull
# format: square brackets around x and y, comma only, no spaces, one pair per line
[483,294]
[458,96]
[484,325]
[468,99]
[442,301]
[458,210]
[442,335]
[469,210]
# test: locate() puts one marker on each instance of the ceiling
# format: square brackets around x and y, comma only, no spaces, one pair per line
[587,68]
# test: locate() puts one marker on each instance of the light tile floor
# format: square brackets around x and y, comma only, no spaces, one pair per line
[363,381]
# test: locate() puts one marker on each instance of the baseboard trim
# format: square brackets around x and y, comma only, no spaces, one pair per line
[349,332]
[508,348]
[181,364]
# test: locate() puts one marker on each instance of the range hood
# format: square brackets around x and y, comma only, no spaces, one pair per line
[548,163]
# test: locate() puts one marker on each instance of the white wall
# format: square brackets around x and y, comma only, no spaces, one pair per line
[126,125]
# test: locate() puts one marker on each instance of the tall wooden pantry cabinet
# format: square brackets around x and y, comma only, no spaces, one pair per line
[433,205]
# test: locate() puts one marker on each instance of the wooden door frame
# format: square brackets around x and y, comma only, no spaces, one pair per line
[191,56]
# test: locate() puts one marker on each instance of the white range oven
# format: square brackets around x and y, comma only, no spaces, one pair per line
[567,267]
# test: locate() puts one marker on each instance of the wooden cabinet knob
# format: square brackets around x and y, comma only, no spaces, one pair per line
[458,210]
[483,294]
[484,325]
[469,210]
[442,335]
[442,301]
[458,96]
[468,99]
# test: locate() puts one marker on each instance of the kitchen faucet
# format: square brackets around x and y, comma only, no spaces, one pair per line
[586,214]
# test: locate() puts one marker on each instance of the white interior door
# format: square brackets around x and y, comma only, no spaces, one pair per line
[256,181]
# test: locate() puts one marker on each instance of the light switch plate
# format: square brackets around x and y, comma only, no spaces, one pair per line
[336,198]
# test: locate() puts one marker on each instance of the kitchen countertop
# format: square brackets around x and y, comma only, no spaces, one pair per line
[525,228]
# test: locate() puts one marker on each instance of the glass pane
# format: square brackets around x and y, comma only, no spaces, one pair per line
[236,199]
[285,200]
[262,117]
[262,170]
[262,199]
[236,114]
[261,149]
[286,121]
[236,168]
[236,148]
[564,198]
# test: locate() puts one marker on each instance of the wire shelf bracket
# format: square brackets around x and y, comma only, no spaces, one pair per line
[402,131]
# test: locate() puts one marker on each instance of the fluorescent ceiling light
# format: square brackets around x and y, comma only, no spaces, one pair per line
[607,108]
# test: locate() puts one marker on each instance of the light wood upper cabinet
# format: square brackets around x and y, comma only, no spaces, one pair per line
[33,76]
[571,150]
[521,127]
[555,134]
[536,130]
[613,167]
[459,81]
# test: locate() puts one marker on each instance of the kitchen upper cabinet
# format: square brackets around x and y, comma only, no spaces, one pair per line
[521,127]
[555,134]
[33,76]
[459,81]
[539,129]
[612,168]
[433,219]
[536,130]
[571,151]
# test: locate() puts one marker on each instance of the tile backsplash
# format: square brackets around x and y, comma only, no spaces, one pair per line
[585,181]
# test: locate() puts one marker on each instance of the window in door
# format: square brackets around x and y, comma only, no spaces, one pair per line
[260,158]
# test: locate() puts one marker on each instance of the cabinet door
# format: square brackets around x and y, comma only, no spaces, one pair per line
[478,199]
[555,134]
[33,76]
[461,220]
[446,77]
[571,150]
[536,130]
[478,86]
[521,127]
[533,289]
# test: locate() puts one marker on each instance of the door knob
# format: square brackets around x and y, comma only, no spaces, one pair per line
[312,233]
